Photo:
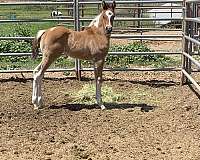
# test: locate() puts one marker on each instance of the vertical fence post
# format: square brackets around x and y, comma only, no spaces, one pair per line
[195,10]
[139,16]
[77,28]
[140,11]
[191,34]
[187,45]
[184,42]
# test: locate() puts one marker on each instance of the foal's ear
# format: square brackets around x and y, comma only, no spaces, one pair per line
[114,5]
[104,5]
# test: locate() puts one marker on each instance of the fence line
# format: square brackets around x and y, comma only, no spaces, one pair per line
[118,36]
[136,2]
[169,69]
[190,26]
[90,19]
[109,53]
[77,19]
[34,3]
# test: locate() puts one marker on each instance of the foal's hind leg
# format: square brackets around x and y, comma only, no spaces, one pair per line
[37,80]
[35,86]
[98,68]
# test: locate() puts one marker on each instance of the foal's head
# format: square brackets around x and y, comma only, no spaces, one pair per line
[105,19]
[108,15]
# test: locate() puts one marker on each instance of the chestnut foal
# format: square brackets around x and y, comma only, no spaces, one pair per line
[90,44]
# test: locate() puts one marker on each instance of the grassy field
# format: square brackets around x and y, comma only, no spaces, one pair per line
[26,12]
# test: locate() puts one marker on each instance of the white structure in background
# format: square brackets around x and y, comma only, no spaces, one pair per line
[56,14]
[165,13]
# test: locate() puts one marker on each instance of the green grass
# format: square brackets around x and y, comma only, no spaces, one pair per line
[11,29]
[110,95]
[87,95]
[12,63]
[26,12]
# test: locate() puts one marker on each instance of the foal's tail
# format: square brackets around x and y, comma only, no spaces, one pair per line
[35,48]
[36,43]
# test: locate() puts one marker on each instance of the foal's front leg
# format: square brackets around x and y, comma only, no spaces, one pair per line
[98,68]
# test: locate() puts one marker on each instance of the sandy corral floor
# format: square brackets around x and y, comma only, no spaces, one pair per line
[157,119]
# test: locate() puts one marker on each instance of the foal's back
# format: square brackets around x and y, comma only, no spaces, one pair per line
[53,41]
[87,44]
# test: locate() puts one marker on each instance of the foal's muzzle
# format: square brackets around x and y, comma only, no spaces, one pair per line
[108,29]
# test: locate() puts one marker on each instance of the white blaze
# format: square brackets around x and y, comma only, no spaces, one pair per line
[109,14]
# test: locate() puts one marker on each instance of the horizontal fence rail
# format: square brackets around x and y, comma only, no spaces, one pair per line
[192,1]
[197,20]
[192,40]
[169,69]
[90,19]
[136,19]
[37,20]
[117,36]
[136,2]
[109,53]
[34,3]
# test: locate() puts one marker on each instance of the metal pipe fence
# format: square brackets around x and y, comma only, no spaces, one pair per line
[190,42]
[77,20]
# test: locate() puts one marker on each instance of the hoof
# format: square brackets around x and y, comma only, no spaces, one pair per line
[103,107]
[37,107]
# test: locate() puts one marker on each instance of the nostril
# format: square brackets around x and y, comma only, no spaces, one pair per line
[108,28]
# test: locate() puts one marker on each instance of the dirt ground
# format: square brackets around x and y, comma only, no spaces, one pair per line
[169,46]
[159,120]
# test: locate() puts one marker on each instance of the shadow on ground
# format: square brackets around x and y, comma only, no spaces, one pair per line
[151,83]
[109,106]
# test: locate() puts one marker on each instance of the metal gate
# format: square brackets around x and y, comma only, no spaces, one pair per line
[79,19]
[191,44]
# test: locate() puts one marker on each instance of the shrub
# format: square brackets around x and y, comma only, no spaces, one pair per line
[12,46]
[126,60]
